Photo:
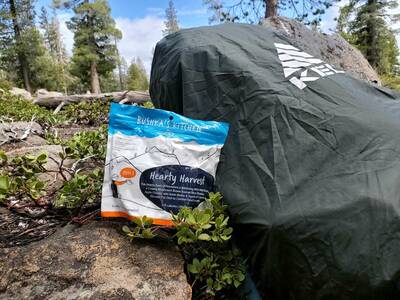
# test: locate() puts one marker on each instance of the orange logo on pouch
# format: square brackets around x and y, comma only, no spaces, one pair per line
[128,172]
[119,182]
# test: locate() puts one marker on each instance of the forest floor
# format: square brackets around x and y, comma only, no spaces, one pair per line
[74,144]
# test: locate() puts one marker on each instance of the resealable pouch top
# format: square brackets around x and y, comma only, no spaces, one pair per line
[157,162]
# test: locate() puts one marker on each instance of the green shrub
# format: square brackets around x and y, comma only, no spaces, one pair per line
[142,230]
[18,109]
[203,234]
[80,190]
[88,143]
[82,144]
[87,113]
[392,82]
[83,188]
[18,176]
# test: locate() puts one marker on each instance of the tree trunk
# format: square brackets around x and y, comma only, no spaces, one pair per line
[271,8]
[94,78]
[121,86]
[126,96]
[20,54]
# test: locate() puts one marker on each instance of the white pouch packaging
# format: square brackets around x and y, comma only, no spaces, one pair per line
[157,162]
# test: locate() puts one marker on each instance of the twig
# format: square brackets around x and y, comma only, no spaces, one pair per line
[83,219]
[61,167]
[28,130]
[75,165]
[57,110]
[37,227]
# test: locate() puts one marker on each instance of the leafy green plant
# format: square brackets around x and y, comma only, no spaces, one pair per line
[148,104]
[83,144]
[87,113]
[83,188]
[392,82]
[80,190]
[88,143]
[16,108]
[204,235]
[142,230]
[214,265]
[18,176]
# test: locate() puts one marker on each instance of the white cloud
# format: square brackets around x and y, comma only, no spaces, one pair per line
[328,23]
[191,12]
[139,37]
[160,12]
[396,26]
[66,35]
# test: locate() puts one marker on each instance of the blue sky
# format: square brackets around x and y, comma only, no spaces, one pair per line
[142,22]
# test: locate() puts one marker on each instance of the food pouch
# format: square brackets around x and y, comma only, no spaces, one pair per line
[157,162]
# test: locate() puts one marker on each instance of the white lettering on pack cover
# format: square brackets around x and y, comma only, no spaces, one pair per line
[301,67]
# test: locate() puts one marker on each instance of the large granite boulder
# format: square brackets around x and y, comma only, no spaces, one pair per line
[332,49]
[92,262]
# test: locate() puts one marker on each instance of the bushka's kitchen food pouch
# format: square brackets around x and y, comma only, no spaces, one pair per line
[157,162]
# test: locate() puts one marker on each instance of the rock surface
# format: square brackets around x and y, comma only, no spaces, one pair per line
[92,262]
[21,92]
[332,49]
[26,133]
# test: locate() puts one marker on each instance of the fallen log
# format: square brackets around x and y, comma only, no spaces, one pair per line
[127,96]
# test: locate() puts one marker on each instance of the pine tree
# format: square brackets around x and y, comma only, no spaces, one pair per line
[364,24]
[137,78]
[94,52]
[56,49]
[16,18]
[23,48]
[52,35]
[171,24]
[124,73]
[255,11]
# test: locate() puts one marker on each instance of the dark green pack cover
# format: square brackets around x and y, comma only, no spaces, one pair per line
[311,167]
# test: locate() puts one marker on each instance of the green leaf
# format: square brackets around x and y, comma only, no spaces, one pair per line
[42,157]
[190,219]
[126,229]
[196,262]
[192,269]
[39,185]
[204,218]
[204,237]
[4,183]
[30,157]
[147,234]
[3,157]
[210,282]
[236,283]
[240,276]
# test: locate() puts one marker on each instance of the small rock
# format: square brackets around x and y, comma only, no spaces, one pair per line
[21,92]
